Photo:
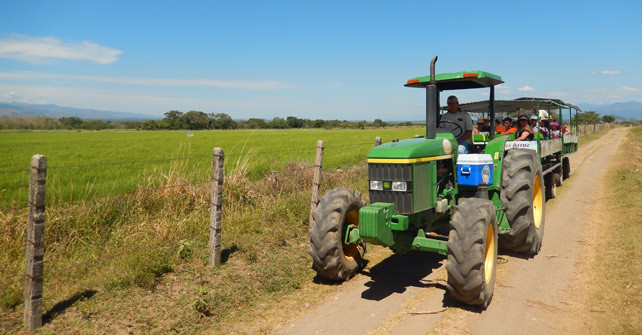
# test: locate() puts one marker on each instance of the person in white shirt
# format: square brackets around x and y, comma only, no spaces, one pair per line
[458,123]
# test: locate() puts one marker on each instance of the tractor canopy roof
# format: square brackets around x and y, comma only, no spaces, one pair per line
[512,106]
[458,80]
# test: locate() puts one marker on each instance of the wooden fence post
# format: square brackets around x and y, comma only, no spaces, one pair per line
[215,207]
[34,264]
[377,141]
[316,183]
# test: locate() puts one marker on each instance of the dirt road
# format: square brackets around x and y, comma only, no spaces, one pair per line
[532,295]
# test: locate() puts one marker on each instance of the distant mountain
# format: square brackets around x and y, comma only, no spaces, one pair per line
[18,109]
[630,110]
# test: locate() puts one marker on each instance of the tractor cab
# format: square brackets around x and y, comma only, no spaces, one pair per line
[434,84]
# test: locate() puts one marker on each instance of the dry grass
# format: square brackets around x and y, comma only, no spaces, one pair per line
[611,295]
[137,262]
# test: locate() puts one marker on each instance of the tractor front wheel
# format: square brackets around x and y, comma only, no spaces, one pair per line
[522,195]
[332,258]
[472,251]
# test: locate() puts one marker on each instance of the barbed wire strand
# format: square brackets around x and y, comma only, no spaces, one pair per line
[99,196]
[183,158]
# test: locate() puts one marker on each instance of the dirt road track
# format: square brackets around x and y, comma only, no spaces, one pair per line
[532,295]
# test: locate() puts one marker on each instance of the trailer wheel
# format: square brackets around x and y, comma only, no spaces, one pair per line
[331,257]
[522,196]
[472,251]
[566,167]
[549,186]
[557,179]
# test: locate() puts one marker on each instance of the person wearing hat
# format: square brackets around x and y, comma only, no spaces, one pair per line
[458,123]
[533,122]
[543,114]
[525,132]
[482,126]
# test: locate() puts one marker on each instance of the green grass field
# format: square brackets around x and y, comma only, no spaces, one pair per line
[83,164]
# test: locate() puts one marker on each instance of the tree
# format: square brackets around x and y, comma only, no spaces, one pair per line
[195,120]
[294,122]
[278,123]
[172,119]
[588,117]
[608,119]
[149,125]
[221,121]
[254,123]
[71,122]
[318,123]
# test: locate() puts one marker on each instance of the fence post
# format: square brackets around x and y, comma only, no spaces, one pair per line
[377,141]
[316,182]
[215,207]
[35,243]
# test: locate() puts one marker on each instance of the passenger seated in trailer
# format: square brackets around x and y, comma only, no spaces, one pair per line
[510,125]
[555,130]
[525,132]
[544,128]
[541,132]
[565,130]
[482,126]
[499,127]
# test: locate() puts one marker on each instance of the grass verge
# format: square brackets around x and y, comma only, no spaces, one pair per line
[137,262]
[613,300]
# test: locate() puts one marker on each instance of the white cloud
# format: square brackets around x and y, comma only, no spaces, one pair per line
[39,49]
[168,82]
[607,72]
[526,89]
[10,96]
[631,89]
[503,89]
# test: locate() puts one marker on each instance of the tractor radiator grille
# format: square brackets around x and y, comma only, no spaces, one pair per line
[392,172]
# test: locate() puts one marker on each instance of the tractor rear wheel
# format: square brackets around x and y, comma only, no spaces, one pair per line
[331,257]
[522,196]
[472,251]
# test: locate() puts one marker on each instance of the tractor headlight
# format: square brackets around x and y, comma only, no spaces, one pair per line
[376,185]
[399,186]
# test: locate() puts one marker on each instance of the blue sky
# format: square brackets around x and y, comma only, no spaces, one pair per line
[326,59]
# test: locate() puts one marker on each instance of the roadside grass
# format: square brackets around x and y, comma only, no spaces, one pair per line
[137,261]
[613,304]
[588,138]
[88,163]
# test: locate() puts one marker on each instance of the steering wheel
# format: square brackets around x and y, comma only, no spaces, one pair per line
[457,130]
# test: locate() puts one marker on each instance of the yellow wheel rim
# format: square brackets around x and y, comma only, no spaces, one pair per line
[350,251]
[489,254]
[537,202]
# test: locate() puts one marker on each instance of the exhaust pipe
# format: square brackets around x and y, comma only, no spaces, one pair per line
[432,102]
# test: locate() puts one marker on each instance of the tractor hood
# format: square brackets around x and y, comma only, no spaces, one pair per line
[414,149]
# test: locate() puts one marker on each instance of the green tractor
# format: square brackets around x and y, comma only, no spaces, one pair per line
[426,196]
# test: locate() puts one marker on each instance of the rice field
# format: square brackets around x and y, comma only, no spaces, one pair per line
[93,163]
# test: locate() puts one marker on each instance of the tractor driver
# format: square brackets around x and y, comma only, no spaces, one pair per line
[458,123]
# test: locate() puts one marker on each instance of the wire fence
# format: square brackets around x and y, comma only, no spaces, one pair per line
[13,190]
[56,199]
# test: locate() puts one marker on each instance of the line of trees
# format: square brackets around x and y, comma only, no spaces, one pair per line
[192,120]
[592,117]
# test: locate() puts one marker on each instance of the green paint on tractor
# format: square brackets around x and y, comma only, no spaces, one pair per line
[419,202]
